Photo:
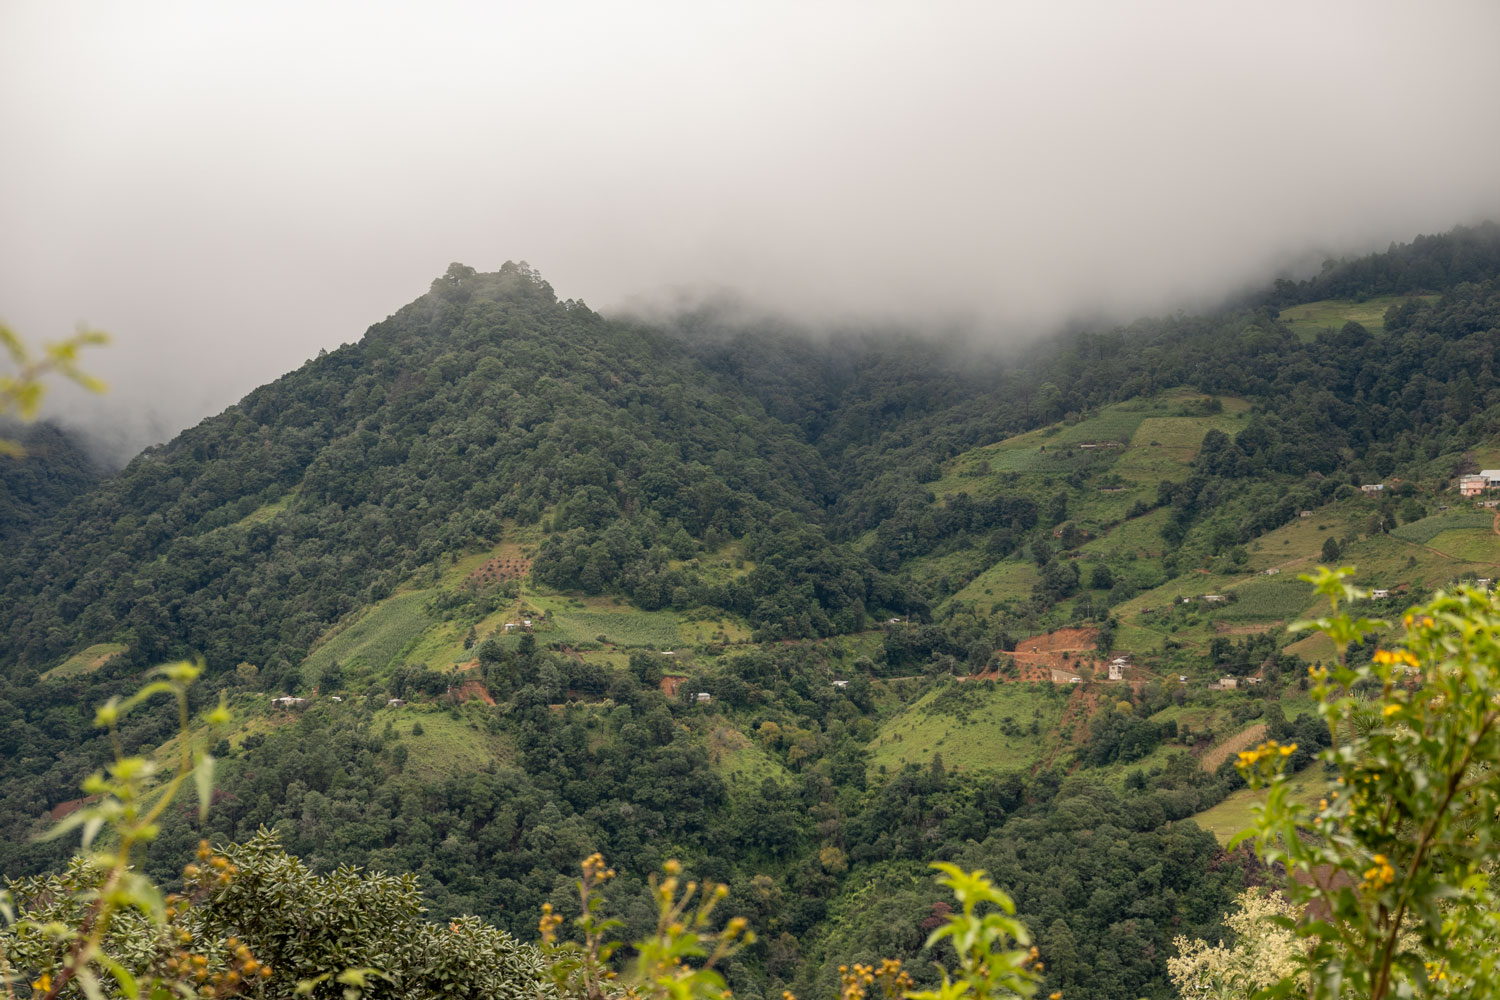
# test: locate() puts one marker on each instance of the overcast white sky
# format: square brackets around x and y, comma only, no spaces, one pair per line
[228,187]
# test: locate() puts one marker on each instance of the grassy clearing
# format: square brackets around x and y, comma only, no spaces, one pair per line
[1139,535]
[1311,318]
[1294,547]
[740,761]
[87,661]
[976,726]
[1236,812]
[266,512]
[1004,581]
[709,629]
[447,746]
[375,639]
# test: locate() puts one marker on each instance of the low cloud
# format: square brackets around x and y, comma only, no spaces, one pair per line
[230,188]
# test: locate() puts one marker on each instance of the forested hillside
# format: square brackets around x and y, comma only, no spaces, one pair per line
[527,582]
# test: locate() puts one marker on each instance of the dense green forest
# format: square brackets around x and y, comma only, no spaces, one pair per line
[754,568]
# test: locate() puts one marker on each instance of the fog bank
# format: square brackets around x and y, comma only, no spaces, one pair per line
[228,189]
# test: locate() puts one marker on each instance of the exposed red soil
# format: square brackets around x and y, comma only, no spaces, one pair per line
[472,689]
[65,809]
[1055,656]
[670,683]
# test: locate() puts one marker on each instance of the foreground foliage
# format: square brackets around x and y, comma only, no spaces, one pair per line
[1393,868]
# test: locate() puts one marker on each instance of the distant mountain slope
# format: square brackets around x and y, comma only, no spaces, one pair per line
[634,451]
[56,470]
[485,399]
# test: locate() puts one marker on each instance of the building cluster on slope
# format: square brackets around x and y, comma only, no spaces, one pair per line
[1476,483]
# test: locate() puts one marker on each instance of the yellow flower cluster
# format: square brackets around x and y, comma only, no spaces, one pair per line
[549,924]
[595,870]
[1269,749]
[894,980]
[1379,875]
[1386,657]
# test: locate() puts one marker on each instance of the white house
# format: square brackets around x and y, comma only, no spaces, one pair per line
[1373,487]
[840,684]
[287,701]
[1117,668]
[1214,598]
[394,703]
[1491,476]
[704,697]
[1227,683]
[1380,592]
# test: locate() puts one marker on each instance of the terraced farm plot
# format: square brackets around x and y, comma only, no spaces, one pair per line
[628,627]
[87,661]
[377,638]
[1264,599]
[966,724]
[1424,531]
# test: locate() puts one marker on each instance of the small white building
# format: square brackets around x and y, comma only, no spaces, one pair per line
[703,697]
[1305,513]
[1380,592]
[840,684]
[1227,683]
[287,701]
[1117,668]
[1373,487]
[1214,598]
[394,703]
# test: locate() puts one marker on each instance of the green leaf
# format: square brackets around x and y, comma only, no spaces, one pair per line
[203,778]
[122,976]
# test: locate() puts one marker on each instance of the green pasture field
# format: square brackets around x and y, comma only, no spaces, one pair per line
[1469,544]
[1311,318]
[1011,579]
[447,746]
[1141,535]
[964,726]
